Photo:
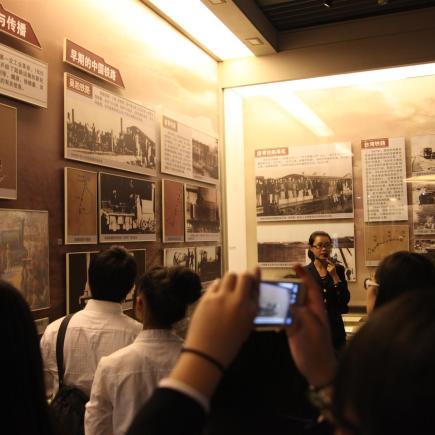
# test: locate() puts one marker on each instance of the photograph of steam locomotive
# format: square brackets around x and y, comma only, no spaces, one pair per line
[109,130]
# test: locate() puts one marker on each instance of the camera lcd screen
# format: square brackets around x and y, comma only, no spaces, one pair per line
[274,303]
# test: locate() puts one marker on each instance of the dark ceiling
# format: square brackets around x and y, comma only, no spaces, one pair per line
[295,14]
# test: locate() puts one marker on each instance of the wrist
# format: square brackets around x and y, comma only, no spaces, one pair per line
[197,372]
[324,376]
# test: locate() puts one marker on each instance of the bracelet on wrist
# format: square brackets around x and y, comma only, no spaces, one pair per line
[205,357]
[321,398]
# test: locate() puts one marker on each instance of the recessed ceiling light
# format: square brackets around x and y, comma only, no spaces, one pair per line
[254,41]
[217,2]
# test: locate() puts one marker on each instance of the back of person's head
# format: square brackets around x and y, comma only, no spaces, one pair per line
[24,406]
[312,238]
[401,272]
[385,381]
[112,274]
[167,292]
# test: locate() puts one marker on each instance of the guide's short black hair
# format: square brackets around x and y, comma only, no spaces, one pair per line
[168,291]
[112,274]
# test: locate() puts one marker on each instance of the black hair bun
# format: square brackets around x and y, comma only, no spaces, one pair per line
[187,282]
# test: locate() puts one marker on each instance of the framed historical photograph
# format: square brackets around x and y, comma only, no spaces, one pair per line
[426,247]
[284,245]
[304,182]
[77,290]
[24,254]
[8,152]
[126,209]
[202,217]
[423,208]
[173,211]
[383,240]
[182,256]
[105,129]
[80,206]
[187,152]
[423,155]
[208,263]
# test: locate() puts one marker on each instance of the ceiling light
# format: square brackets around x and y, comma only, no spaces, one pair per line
[203,26]
[254,41]
[328,3]
[217,2]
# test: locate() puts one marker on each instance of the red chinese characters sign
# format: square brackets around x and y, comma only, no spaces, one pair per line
[17,27]
[90,62]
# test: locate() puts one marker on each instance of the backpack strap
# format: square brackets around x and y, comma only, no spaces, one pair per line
[59,347]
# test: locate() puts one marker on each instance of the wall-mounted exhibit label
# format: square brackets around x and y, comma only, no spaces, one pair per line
[383,174]
[383,240]
[17,27]
[24,254]
[80,206]
[8,152]
[108,130]
[423,179]
[304,182]
[201,214]
[284,245]
[173,211]
[187,152]
[23,77]
[90,62]
[126,209]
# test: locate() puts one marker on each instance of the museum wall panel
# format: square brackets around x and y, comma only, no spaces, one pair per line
[160,68]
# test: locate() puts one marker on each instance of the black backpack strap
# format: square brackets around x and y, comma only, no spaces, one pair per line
[59,347]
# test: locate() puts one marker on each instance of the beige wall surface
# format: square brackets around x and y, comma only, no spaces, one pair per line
[386,109]
[160,68]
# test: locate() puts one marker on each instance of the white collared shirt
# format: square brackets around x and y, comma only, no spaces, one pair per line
[98,330]
[126,379]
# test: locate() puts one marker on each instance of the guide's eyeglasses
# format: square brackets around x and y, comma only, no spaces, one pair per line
[322,246]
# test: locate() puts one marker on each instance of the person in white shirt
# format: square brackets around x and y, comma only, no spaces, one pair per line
[99,329]
[126,379]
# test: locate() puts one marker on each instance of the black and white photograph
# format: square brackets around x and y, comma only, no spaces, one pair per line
[126,209]
[423,155]
[24,254]
[208,262]
[423,199]
[205,159]
[425,247]
[201,214]
[284,245]
[108,130]
[77,290]
[304,182]
[181,256]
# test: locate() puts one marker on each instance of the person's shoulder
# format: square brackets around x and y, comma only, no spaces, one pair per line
[131,323]
[53,327]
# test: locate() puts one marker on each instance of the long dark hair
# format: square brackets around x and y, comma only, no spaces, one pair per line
[311,241]
[168,291]
[24,406]
[385,379]
[401,272]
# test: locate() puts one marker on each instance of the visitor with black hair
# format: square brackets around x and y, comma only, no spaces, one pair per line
[397,274]
[24,408]
[331,279]
[126,379]
[100,328]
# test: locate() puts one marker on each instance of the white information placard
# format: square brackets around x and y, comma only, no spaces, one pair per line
[383,174]
[23,77]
